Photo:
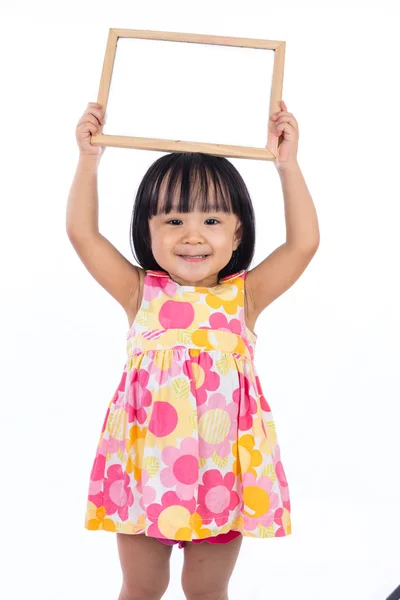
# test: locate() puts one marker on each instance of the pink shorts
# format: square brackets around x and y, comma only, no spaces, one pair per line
[222,538]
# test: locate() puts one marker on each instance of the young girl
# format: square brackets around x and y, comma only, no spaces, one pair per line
[188,451]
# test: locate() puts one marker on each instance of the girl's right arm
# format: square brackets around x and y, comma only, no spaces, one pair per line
[104,262]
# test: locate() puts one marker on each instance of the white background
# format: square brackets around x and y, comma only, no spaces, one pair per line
[231,84]
[328,349]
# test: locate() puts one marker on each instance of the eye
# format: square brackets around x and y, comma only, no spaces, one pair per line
[172,220]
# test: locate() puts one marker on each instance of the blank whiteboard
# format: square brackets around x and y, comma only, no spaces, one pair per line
[180,92]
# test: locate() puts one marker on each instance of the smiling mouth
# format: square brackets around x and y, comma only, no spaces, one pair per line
[196,257]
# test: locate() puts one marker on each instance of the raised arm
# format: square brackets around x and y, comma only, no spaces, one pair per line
[103,261]
[282,268]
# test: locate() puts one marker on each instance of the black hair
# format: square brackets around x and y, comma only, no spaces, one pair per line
[187,168]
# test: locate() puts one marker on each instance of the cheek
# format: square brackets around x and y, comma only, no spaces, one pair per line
[222,240]
[161,242]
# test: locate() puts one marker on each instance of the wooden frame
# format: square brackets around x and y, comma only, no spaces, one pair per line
[267,153]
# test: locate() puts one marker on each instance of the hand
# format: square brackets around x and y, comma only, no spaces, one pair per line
[285,126]
[88,125]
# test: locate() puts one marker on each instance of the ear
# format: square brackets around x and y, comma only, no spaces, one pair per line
[238,236]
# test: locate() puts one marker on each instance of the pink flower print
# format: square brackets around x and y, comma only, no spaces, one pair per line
[278,518]
[246,402]
[203,378]
[219,321]
[105,419]
[264,404]
[216,497]
[162,375]
[118,495]
[182,468]
[281,476]
[153,285]
[114,445]
[168,499]
[103,446]
[139,396]
[96,479]
[176,315]
[148,493]
[259,501]
[217,425]
[119,393]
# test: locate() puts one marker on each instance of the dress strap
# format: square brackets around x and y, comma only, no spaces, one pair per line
[222,280]
[156,273]
[233,276]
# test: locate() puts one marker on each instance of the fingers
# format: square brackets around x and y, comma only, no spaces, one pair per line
[94,114]
[281,114]
[286,118]
[279,129]
[90,120]
[92,128]
[97,110]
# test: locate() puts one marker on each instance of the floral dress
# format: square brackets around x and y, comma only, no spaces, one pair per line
[188,448]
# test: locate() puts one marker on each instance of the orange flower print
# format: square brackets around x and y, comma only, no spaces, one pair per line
[246,456]
[230,298]
[259,501]
[96,518]
[135,446]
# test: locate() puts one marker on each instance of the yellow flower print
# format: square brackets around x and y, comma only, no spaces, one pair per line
[236,525]
[190,523]
[263,431]
[245,456]
[209,339]
[187,313]
[95,518]
[201,312]
[196,523]
[129,527]
[229,296]
[136,441]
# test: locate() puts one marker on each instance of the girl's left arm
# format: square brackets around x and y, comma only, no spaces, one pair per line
[281,269]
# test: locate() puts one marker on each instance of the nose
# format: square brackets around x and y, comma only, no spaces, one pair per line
[192,235]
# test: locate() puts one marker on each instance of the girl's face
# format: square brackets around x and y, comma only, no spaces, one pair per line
[176,234]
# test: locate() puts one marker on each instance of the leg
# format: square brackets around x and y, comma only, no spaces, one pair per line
[207,569]
[142,557]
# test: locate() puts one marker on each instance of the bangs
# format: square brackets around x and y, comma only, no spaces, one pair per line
[188,185]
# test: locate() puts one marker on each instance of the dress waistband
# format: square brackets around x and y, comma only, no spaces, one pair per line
[196,339]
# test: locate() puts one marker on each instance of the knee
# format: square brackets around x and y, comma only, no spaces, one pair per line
[153,591]
[202,594]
